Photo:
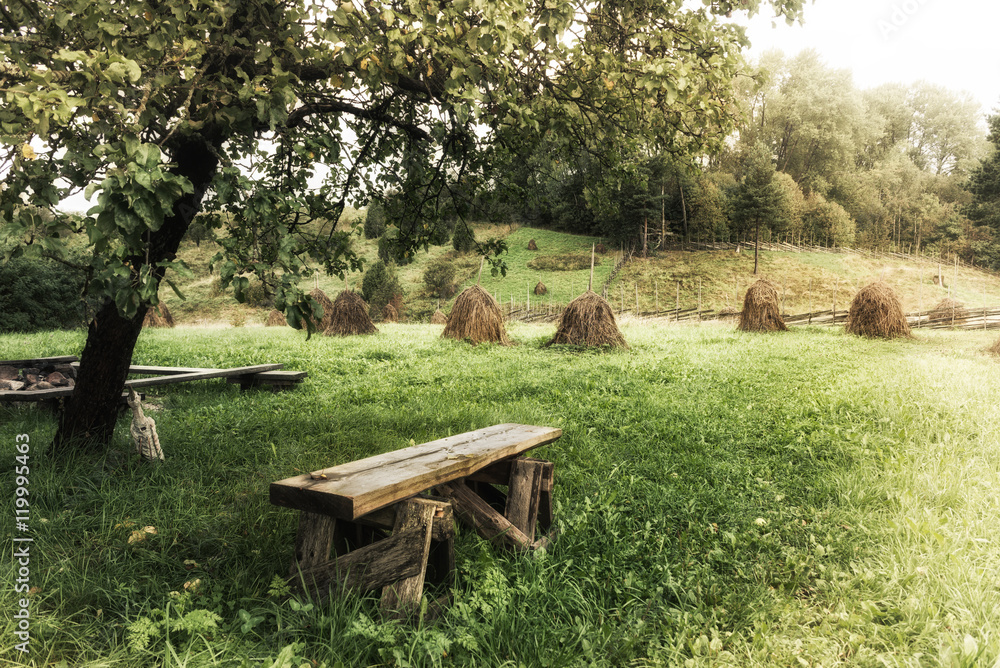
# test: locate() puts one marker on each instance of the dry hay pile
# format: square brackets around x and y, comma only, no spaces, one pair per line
[994,349]
[439,318]
[728,313]
[532,245]
[589,320]
[476,316]
[275,319]
[948,308]
[349,316]
[324,301]
[760,309]
[540,289]
[600,248]
[390,314]
[158,316]
[877,312]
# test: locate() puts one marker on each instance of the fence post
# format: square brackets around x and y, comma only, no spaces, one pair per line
[835,288]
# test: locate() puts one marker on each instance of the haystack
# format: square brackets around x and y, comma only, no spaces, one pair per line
[994,349]
[877,312]
[728,313]
[601,248]
[439,318]
[158,316]
[589,320]
[761,312]
[540,289]
[275,319]
[476,316]
[390,314]
[349,316]
[532,245]
[947,309]
[327,305]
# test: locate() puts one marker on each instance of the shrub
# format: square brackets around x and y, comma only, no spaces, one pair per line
[439,277]
[375,220]
[389,252]
[464,239]
[379,287]
[38,294]
[567,262]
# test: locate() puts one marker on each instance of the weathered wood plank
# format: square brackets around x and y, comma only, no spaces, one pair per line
[366,568]
[545,515]
[385,518]
[312,542]
[487,522]
[166,370]
[403,597]
[200,375]
[523,495]
[37,361]
[360,487]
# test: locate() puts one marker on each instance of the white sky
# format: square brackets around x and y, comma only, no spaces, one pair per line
[953,43]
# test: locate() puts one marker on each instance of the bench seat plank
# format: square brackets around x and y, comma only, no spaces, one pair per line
[360,487]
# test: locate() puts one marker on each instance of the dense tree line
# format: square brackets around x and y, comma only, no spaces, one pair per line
[896,167]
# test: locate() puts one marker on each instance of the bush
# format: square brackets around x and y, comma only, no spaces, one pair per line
[439,277]
[375,220]
[464,239]
[37,294]
[562,262]
[379,287]
[389,252]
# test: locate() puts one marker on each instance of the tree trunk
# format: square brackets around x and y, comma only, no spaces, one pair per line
[684,212]
[756,246]
[89,416]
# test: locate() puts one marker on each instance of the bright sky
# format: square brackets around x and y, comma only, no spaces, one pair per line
[953,43]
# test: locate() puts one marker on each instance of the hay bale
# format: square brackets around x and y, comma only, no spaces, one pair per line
[589,320]
[947,309]
[324,301]
[761,311]
[390,314]
[532,245]
[439,318]
[158,316]
[601,248]
[349,316]
[877,312]
[275,319]
[476,316]
[540,289]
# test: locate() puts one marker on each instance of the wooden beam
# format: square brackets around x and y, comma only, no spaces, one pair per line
[402,598]
[200,375]
[37,361]
[487,522]
[366,568]
[523,495]
[312,542]
[360,487]
[499,473]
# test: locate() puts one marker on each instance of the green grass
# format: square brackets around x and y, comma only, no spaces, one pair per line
[723,500]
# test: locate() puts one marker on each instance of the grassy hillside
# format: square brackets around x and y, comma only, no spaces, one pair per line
[807,281]
[723,499]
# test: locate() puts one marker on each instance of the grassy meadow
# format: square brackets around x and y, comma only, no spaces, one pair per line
[722,499]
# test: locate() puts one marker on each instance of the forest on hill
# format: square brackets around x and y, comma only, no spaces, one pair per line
[900,167]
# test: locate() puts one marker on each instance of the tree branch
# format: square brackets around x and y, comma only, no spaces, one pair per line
[297,116]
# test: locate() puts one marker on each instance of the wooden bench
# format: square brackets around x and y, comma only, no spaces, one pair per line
[370,524]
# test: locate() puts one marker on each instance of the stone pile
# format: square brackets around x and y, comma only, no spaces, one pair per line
[37,378]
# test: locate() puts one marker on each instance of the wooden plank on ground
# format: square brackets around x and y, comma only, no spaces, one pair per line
[36,361]
[200,375]
[360,487]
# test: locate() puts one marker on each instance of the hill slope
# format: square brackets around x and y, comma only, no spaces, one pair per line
[807,281]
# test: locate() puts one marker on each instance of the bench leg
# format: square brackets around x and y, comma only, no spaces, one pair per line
[403,597]
[312,542]
[524,495]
